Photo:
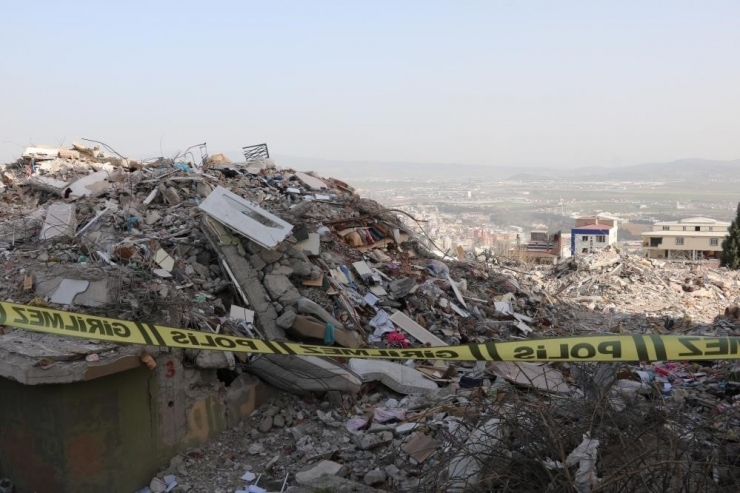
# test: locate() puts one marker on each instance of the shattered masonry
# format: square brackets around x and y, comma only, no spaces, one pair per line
[247,249]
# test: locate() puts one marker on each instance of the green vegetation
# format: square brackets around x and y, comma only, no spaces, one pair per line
[731,245]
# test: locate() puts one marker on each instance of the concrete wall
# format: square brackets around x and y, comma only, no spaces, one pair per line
[690,227]
[114,433]
[585,221]
[86,436]
[578,244]
[699,243]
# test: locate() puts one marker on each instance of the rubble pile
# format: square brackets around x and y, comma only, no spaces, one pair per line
[525,427]
[638,295]
[248,249]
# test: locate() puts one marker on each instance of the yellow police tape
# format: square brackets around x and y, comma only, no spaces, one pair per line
[589,348]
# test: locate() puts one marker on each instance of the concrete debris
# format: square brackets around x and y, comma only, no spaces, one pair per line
[323,468]
[245,217]
[248,249]
[60,223]
[465,468]
[304,374]
[310,246]
[241,313]
[415,330]
[309,327]
[92,184]
[331,483]
[399,378]
[311,182]
[67,290]
[375,477]
[538,375]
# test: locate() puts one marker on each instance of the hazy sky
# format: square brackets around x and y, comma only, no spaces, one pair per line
[490,82]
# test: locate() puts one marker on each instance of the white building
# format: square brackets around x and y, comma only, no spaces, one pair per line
[592,233]
[696,238]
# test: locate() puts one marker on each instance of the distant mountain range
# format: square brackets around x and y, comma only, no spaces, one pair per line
[683,170]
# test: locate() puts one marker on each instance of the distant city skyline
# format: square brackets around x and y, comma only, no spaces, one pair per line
[529,84]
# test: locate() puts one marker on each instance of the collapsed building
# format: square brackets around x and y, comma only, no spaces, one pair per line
[248,249]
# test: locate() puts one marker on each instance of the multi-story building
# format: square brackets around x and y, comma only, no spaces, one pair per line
[542,247]
[696,238]
[592,233]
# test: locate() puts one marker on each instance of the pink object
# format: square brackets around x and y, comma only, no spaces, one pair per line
[397,337]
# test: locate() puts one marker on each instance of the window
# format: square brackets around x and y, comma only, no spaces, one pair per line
[584,238]
[679,241]
[684,228]
[713,241]
[697,228]
[601,239]
[666,228]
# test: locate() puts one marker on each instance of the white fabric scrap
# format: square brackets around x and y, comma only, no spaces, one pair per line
[585,456]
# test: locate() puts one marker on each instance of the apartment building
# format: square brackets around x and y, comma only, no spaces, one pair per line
[696,238]
[592,233]
[542,247]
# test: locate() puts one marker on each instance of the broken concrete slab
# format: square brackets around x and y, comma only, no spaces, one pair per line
[91,184]
[323,468]
[211,360]
[538,375]
[311,246]
[400,378]
[67,290]
[21,351]
[369,441]
[375,476]
[164,260]
[415,330]
[170,194]
[48,184]
[40,153]
[286,320]
[378,291]
[245,217]
[363,270]
[94,294]
[240,313]
[333,484]
[22,228]
[245,278]
[464,469]
[310,181]
[281,289]
[303,374]
[60,223]
[401,287]
[152,217]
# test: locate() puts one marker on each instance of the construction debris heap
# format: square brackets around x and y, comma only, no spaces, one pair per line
[246,249]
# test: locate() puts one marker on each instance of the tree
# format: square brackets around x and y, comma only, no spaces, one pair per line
[731,245]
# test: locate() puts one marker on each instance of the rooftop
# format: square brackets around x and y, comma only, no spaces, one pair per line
[693,221]
[593,227]
[708,234]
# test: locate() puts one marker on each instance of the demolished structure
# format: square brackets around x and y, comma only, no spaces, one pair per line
[247,249]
